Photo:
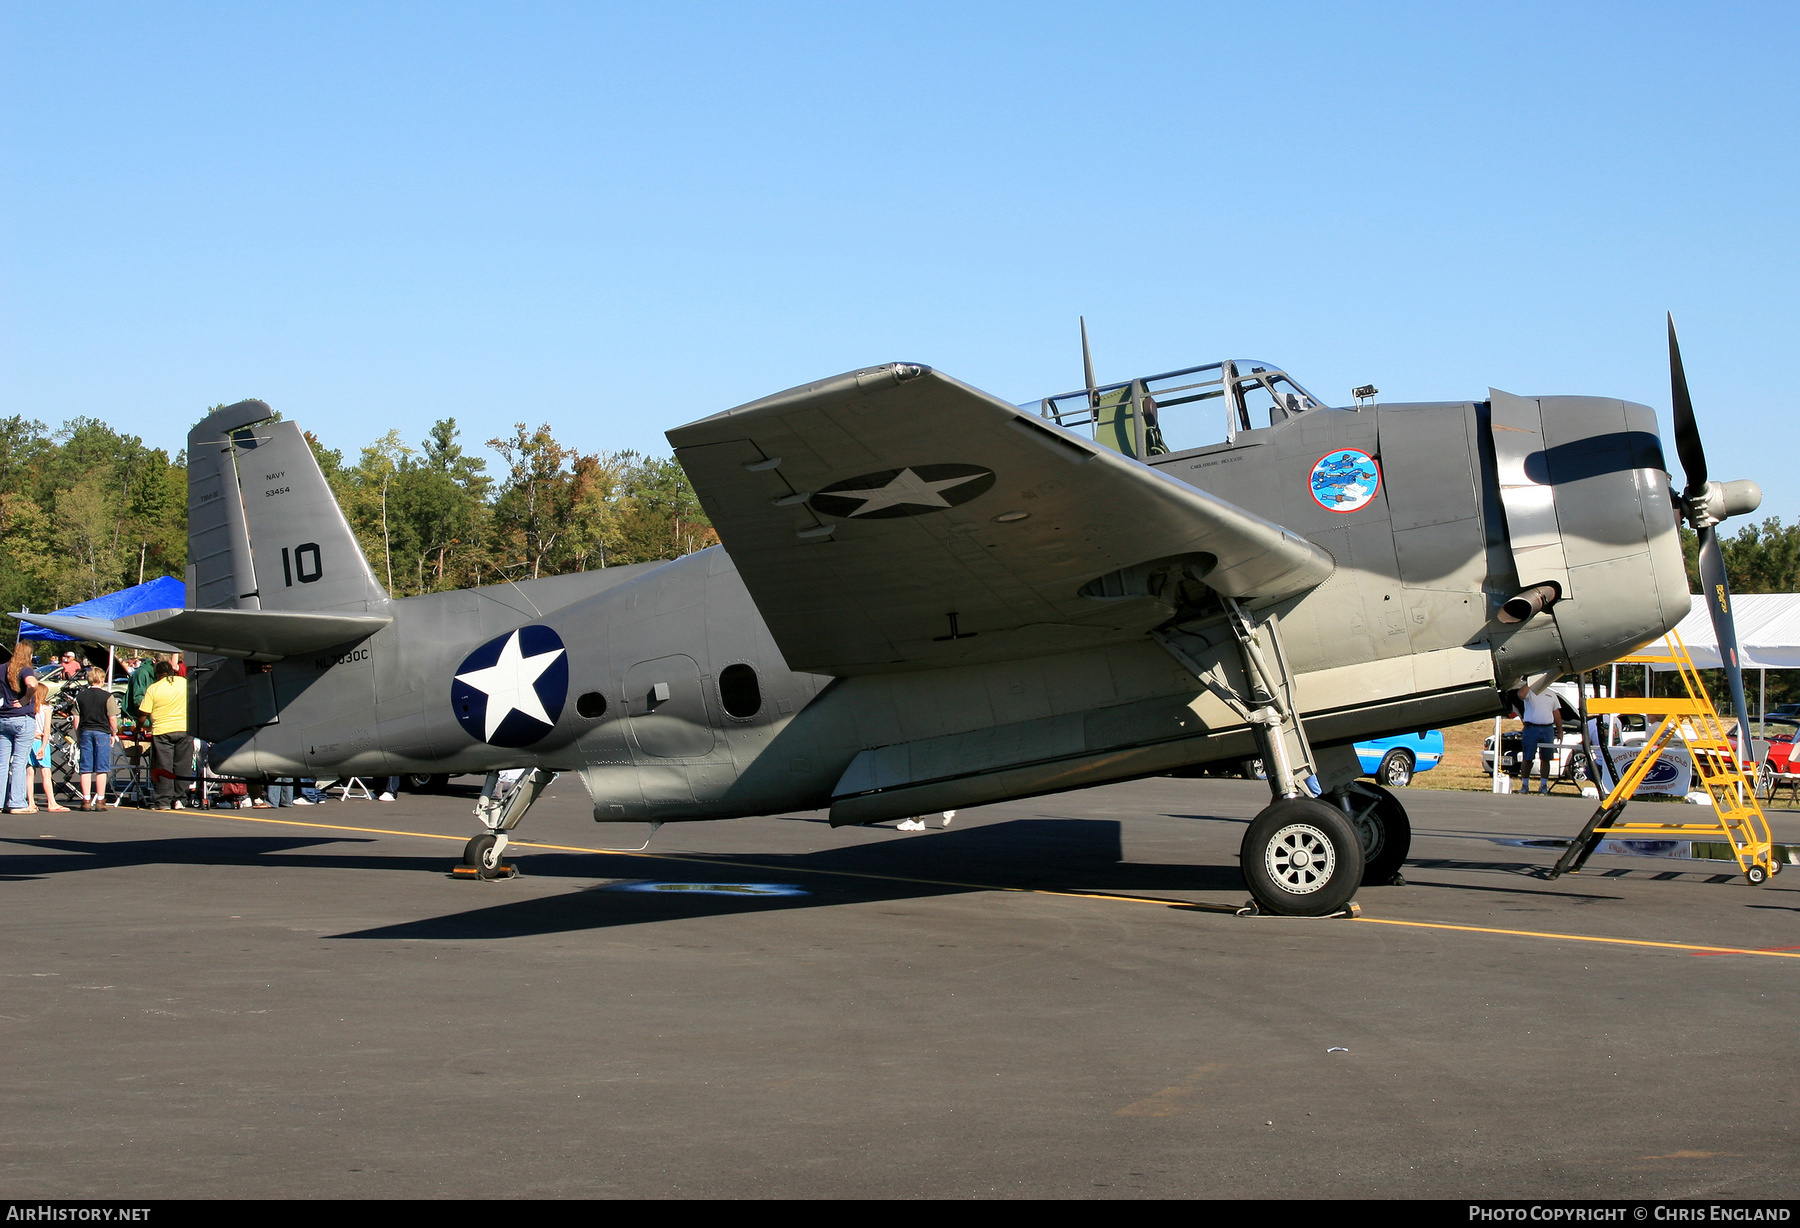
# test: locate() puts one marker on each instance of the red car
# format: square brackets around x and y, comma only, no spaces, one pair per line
[1773,750]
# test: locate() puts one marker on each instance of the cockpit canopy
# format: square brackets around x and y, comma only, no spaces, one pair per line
[1133,417]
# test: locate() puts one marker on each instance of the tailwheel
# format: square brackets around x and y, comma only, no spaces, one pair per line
[1302,858]
[481,857]
[1385,831]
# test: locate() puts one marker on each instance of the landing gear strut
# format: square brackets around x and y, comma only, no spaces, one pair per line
[502,805]
[1324,833]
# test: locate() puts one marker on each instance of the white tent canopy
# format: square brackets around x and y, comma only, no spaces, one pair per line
[1768,631]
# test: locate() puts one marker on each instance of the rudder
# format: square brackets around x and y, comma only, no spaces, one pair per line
[264,531]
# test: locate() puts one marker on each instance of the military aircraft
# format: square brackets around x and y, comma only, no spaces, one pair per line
[927,598]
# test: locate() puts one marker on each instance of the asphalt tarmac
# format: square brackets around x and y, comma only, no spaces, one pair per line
[1026,1003]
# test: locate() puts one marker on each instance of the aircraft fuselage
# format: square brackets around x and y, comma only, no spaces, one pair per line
[1403,636]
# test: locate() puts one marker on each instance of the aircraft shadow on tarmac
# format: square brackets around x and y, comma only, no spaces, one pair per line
[1022,854]
[38,861]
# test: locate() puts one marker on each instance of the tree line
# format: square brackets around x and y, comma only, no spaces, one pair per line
[86,510]
[432,518]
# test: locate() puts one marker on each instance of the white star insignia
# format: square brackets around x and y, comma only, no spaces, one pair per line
[906,487]
[510,684]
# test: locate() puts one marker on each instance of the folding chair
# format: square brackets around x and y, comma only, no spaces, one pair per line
[1770,783]
[134,781]
[352,784]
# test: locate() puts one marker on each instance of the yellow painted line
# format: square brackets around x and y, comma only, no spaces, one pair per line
[1073,895]
[372,831]
[1623,942]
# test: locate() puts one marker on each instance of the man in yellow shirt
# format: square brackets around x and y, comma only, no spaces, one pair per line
[165,711]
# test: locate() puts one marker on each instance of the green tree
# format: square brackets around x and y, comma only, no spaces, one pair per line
[533,511]
[364,493]
[1759,558]
[85,530]
[437,508]
[659,517]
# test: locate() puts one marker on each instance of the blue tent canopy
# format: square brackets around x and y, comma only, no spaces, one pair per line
[163,593]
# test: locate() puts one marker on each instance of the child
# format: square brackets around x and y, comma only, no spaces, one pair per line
[40,749]
[96,725]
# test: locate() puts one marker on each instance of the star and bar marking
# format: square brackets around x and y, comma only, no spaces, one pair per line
[510,684]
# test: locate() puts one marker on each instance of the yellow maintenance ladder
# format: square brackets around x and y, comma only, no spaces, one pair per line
[1738,818]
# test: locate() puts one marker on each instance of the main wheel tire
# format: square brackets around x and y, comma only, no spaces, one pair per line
[1765,780]
[1252,769]
[482,852]
[1386,834]
[1302,858]
[1396,770]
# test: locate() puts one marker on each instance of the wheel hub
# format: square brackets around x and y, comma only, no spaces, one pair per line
[1300,859]
[1370,831]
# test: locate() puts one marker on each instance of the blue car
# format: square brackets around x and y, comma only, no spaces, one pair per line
[1392,761]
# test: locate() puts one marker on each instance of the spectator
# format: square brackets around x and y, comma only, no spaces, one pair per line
[42,751]
[71,666]
[165,709]
[281,792]
[18,722]
[96,725]
[389,788]
[143,673]
[1543,733]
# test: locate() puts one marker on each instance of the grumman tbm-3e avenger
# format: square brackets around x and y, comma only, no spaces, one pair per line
[927,598]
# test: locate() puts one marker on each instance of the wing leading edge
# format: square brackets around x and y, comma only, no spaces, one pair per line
[895,518]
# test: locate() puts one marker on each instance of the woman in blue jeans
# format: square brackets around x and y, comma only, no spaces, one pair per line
[18,725]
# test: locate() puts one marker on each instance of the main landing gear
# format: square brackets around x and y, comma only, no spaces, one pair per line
[505,797]
[1325,833]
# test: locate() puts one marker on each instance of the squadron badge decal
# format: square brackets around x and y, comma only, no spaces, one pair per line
[914,491]
[510,691]
[1345,480]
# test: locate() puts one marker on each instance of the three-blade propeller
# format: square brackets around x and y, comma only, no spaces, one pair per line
[1704,504]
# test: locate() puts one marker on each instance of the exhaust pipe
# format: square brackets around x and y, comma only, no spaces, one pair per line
[1522,605]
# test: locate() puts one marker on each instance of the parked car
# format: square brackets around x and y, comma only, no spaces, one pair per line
[1631,731]
[1771,747]
[1393,761]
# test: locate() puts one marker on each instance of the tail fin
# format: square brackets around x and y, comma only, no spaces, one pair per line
[264,532]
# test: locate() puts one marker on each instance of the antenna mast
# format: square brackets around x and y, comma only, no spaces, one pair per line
[1087,366]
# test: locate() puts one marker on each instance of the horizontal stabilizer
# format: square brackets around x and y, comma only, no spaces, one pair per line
[259,635]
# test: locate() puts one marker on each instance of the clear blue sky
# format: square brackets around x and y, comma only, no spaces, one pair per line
[619,218]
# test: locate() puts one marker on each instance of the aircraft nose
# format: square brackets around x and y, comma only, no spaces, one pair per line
[1588,507]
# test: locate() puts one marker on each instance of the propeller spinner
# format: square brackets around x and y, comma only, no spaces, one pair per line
[1703,505]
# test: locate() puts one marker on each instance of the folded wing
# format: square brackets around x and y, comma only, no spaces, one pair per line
[894,518]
